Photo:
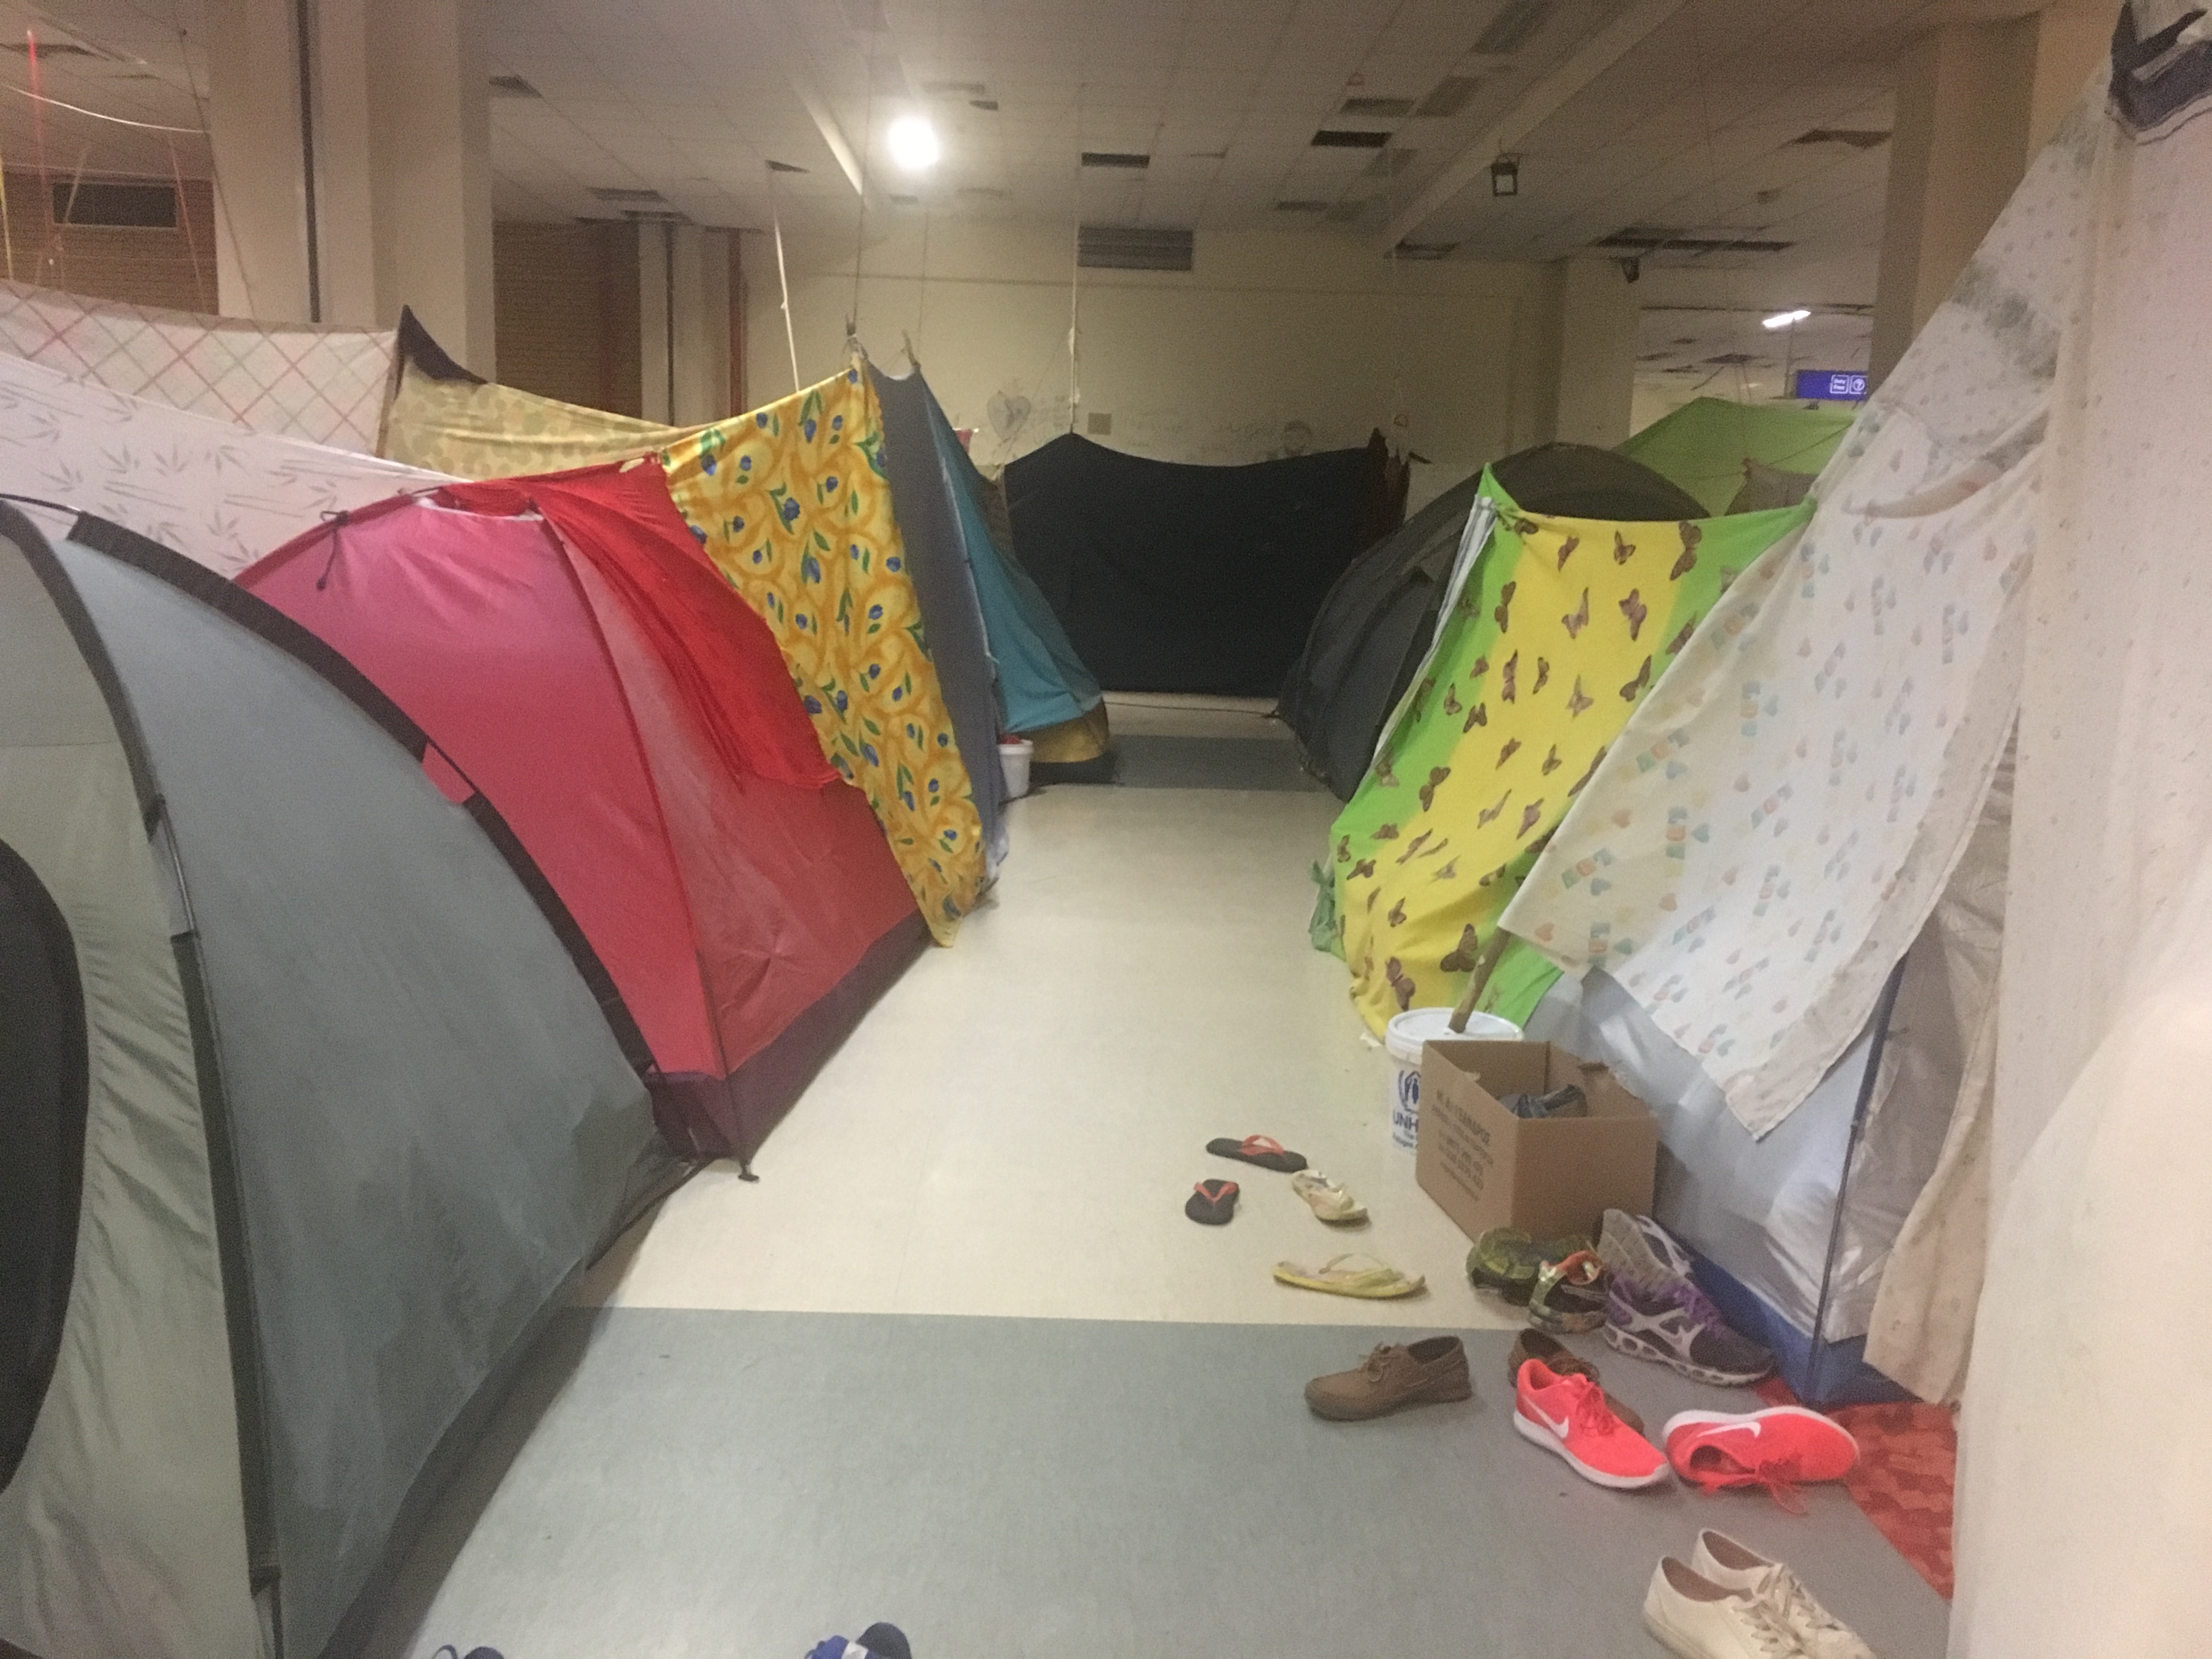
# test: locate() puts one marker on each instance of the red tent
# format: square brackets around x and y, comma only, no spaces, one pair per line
[571,652]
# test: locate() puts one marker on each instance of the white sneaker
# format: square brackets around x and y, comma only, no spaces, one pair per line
[1697,1619]
[1724,1562]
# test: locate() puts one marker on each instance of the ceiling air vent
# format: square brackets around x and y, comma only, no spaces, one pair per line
[1349,138]
[1133,247]
[1384,109]
[1425,250]
[55,49]
[906,201]
[116,204]
[513,86]
[616,197]
[954,89]
[988,105]
[785,167]
[1856,137]
[1515,26]
[1732,359]
[1301,206]
[1115,158]
[1449,96]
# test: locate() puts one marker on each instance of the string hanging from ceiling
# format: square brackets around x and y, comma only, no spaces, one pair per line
[783,278]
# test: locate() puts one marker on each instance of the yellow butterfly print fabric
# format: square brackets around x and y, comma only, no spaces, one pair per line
[1562,630]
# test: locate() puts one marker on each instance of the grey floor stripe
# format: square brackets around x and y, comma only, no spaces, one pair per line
[738,1484]
[1170,762]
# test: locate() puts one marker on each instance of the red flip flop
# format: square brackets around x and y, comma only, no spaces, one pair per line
[1262,1150]
[1211,1203]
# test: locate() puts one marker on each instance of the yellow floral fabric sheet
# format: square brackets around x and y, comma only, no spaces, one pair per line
[791,503]
[1564,628]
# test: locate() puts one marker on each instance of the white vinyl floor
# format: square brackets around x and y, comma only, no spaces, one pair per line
[1014,1128]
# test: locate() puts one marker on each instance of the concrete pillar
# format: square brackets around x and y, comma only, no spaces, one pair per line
[260,169]
[684,341]
[1597,353]
[401,175]
[1975,101]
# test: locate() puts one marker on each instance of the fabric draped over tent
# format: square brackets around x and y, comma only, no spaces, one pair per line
[944,587]
[747,912]
[214,491]
[326,384]
[2072,1537]
[1562,630]
[1833,729]
[1170,577]
[721,655]
[792,504]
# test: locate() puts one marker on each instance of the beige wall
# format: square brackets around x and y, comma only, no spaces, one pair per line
[174,269]
[566,300]
[1219,365]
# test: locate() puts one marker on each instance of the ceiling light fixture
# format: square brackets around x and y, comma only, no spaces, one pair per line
[914,143]
[1505,176]
[1786,318]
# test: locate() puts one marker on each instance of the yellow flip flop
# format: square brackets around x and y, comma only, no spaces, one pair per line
[1378,1282]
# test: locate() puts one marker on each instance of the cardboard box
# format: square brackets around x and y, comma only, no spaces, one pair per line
[1547,1176]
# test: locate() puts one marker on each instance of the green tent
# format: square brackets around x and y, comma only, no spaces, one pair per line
[1701,446]
[1561,628]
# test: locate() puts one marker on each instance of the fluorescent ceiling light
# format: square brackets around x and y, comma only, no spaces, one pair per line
[1785,318]
[914,143]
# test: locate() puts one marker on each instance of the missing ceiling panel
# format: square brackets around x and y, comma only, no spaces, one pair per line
[1856,137]
[954,89]
[785,167]
[988,105]
[1655,239]
[1115,158]
[513,86]
[1424,250]
[1134,247]
[1389,164]
[1349,138]
[983,194]
[1449,96]
[1388,109]
[1514,26]
[619,197]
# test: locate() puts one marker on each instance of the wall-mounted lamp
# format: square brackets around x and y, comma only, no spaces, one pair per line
[1505,176]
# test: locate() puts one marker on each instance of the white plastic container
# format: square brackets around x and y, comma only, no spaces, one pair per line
[1405,1036]
[1014,756]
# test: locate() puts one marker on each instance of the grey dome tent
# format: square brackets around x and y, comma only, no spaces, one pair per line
[1370,633]
[315,1102]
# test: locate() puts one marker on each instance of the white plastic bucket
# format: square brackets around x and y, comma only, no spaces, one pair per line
[1404,1037]
[1014,756]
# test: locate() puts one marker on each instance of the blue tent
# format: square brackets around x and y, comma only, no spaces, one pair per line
[1043,683]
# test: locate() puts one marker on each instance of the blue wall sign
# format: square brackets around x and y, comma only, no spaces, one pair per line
[1840,385]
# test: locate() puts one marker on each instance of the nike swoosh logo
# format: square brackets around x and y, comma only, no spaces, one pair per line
[1557,1425]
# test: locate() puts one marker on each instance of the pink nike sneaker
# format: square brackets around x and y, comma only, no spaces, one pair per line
[1569,1415]
[1779,1449]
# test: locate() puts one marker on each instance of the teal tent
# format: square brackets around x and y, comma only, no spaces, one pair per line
[1043,683]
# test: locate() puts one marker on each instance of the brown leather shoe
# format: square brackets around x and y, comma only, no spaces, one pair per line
[1423,1373]
[1564,1362]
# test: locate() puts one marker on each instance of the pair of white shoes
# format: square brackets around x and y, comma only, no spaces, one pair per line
[1728,1602]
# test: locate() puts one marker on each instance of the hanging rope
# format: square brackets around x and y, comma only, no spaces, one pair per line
[215,167]
[47,254]
[184,218]
[921,308]
[7,230]
[1075,277]
[783,278]
[860,229]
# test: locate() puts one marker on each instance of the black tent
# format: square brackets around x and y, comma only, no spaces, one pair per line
[1170,577]
[314,1102]
[1370,631]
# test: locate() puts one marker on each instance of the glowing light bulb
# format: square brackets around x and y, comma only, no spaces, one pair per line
[914,143]
[1784,319]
